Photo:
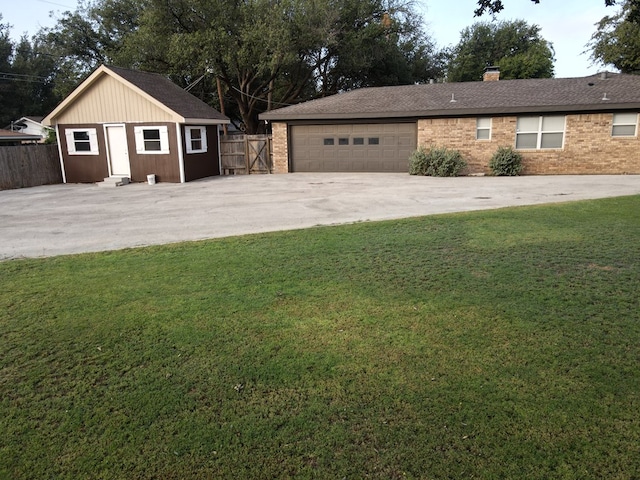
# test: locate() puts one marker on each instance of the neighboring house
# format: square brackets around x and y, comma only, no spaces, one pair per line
[583,125]
[130,124]
[30,126]
[9,138]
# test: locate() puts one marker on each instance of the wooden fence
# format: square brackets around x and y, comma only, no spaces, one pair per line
[29,166]
[245,154]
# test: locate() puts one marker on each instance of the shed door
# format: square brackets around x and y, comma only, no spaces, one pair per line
[381,147]
[118,151]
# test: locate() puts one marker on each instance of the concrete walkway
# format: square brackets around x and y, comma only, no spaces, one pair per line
[64,219]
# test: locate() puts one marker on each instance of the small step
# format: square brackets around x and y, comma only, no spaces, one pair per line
[115,181]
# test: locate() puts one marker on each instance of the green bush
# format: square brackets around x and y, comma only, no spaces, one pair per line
[506,162]
[436,162]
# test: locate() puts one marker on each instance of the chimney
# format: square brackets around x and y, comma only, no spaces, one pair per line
[491,74]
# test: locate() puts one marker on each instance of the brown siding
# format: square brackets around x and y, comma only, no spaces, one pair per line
[589,147]
[200,165]
[84,168]
[166,167]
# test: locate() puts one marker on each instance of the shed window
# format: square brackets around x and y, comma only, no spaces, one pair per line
[540,132]
[483,129]
[624,124]
[82,141]
[151,140]
[196,139]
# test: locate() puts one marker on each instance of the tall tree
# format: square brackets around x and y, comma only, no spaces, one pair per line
[617,39]
[516,47]
[25,79]
[269,53]
[93,34]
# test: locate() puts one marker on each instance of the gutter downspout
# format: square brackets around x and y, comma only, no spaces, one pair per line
[180,152]
[59,142]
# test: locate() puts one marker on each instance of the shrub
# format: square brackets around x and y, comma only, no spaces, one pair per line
[436,162]
[506,162]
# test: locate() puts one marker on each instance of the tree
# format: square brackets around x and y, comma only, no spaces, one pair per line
[84,39]
[25,79]
[270,53]
[516,47]
[617,39]
[496,6]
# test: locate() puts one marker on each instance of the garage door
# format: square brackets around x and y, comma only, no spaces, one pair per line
[352,148]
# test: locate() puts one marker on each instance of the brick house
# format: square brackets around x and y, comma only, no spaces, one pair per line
[122,124]
[586,125]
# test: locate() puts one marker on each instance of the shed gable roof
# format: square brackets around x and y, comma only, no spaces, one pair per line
[180,105]
[473,98]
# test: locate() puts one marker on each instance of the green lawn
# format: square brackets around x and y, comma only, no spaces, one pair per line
[498,344]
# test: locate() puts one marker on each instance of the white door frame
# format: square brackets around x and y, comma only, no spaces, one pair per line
[106,138]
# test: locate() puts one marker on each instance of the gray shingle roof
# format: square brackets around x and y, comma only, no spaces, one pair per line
[169,94]
[473,98]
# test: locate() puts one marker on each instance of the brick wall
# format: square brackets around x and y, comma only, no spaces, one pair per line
[589,147]
[280,156]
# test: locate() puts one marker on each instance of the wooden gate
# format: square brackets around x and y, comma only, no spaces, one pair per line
[246,154]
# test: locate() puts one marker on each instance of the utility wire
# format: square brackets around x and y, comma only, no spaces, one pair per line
[261,99]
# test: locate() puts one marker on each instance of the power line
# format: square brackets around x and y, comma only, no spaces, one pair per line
[261,99]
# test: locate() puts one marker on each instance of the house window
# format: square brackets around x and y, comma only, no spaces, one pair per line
[151,140]
[196,139]
[540,132]
[483,129]
[329,141]
[624,124]
[82,141]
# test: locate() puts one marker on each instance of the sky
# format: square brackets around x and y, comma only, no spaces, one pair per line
[567,24]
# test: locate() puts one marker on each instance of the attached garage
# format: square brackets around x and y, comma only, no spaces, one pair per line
[367,147]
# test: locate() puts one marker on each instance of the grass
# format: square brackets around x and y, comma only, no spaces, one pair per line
[498,344]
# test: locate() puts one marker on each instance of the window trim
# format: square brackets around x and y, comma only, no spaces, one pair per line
[189,139]
[619,124]
[71,142]
[540,132]
[138,132]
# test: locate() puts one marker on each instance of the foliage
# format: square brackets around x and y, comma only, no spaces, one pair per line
[436,162]
[617,39]
[26,88]
[506,162]
[514,46]
[496,6]
[95,33]
[503,343]
[265,53]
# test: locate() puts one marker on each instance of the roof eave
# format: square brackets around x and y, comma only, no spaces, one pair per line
[206,121]
[457,112]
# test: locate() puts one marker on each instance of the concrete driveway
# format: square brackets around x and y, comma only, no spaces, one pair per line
[64,219]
